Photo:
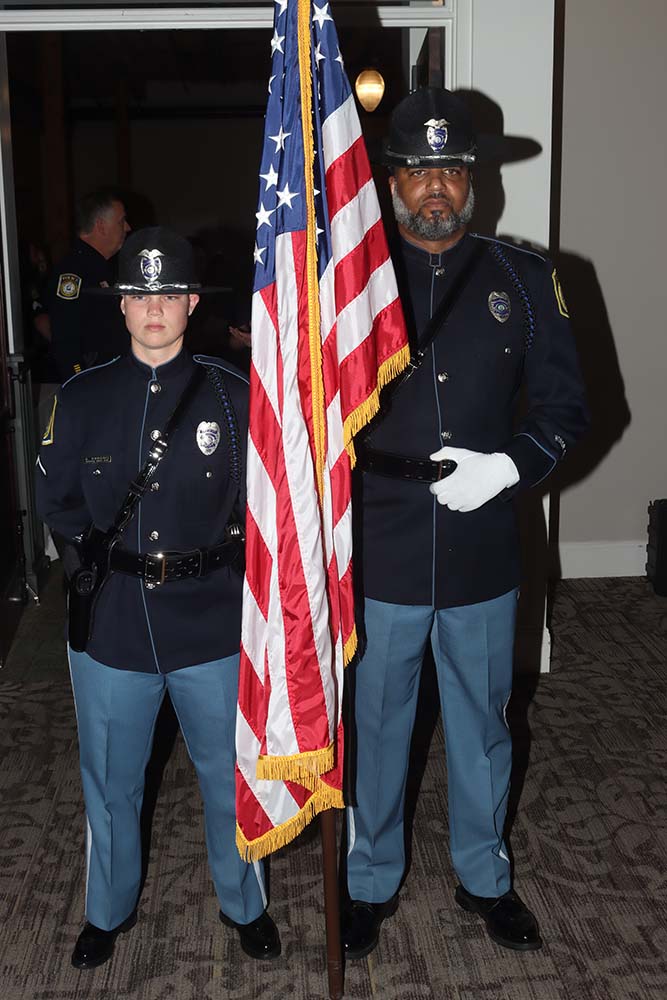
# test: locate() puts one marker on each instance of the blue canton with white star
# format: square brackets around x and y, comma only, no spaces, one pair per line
[281,205]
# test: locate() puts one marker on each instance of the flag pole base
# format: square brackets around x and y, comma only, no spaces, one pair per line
[331,903]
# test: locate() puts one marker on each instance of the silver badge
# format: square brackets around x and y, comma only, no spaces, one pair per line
[436,133]
[499,306]
[208,436]
[150,263]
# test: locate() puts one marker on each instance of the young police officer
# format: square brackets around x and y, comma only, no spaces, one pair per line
[440,552]
[168,616]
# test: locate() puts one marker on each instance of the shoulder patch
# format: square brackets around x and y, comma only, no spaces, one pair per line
[49,433]
[69,286]
[558,292]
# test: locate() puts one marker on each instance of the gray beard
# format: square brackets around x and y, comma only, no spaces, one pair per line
[436,228]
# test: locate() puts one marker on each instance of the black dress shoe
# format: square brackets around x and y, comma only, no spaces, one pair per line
[508,920]
[95,947]
[361,924]
[260,938]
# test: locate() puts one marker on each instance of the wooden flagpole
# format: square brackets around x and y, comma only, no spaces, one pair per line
[331,903]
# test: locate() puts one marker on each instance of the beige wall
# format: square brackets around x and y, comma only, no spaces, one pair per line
[613,225]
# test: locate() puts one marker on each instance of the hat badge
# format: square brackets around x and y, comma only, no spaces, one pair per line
[436,133]
[150,264]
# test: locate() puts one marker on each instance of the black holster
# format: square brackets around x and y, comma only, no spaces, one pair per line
[85,585]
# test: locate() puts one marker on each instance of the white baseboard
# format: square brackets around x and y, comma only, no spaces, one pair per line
[603,559]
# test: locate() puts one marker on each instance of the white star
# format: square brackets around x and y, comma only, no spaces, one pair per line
[318,233]
[282,4]
[270,82]
[257,254]
[263,216]
[286,197]
[339,58]
[318,55]
[321,15]
[276,42]
[271,178]
[280,138]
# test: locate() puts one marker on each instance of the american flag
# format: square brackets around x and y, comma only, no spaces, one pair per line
[327,333]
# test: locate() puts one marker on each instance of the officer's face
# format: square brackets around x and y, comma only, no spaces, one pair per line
[114,227]
[157,324]
[432,193]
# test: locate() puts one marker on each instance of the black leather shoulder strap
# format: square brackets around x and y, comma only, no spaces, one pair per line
[439,317]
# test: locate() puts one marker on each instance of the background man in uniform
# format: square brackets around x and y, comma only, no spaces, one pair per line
[169,616]
[86,328]
[441,562]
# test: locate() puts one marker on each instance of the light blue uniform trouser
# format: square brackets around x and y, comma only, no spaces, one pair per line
[472,647]
[116,714]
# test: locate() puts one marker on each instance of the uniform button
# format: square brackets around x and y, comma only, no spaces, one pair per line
[149,586]
[209,474]
[508,350]
[154,535]
[155,387]
[155,435]
[439,271]
[446,435]
[443,376]
[155,487]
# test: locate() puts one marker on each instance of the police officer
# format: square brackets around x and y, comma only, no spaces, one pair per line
[87,329]
[168,616]
[440,552]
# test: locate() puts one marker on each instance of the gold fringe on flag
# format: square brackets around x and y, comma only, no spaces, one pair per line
[365,412]
[314,323]
[279,836]
[304,768]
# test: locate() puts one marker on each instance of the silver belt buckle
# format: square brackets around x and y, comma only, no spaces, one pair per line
[154,570]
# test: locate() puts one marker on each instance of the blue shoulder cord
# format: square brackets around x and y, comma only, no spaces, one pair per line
[231,425]
[530,321]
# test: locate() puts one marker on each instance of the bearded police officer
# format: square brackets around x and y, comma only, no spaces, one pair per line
[167,616]
[440,547]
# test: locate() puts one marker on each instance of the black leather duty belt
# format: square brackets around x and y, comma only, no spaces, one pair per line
[156,568]
[421,470]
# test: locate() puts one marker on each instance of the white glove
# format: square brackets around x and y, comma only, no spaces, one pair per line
[476,479]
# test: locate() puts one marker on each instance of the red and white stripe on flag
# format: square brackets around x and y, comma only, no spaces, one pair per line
[298,628]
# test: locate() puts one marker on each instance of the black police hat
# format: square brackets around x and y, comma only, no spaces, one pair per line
[156,261]
[430,128]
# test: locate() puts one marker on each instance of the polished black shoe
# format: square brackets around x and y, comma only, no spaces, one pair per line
[95,947]
[259,938]
[508,920]
[361,924]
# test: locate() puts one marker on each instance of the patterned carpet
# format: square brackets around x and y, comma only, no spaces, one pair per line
[589,842]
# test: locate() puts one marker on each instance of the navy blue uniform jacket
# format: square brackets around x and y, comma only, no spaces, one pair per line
[96,443]
[415,551]
[86,329]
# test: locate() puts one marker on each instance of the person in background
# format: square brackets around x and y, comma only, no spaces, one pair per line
[86,329]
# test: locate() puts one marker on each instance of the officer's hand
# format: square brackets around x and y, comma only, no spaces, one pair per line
[240,336]
[477,478]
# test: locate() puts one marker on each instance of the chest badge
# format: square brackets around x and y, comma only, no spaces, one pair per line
[208,436]
[500,306]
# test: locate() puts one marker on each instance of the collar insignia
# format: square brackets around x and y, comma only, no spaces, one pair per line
[436,133]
